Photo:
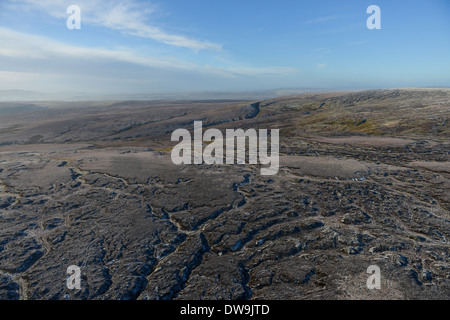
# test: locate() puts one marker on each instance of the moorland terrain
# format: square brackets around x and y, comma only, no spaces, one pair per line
[364,180]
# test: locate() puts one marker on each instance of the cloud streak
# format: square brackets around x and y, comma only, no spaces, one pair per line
[24,56]
[321,19]
[18,45]
[43,63]
[128,17]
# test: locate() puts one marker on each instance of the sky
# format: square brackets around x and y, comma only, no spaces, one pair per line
[170,46]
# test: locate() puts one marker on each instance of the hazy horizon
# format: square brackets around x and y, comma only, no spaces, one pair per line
[17,95]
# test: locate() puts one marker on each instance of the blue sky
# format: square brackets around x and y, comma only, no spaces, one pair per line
[131,46]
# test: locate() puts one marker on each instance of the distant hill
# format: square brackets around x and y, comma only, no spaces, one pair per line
[17,108]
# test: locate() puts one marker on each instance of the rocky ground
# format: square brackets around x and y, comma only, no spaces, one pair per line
[363,180]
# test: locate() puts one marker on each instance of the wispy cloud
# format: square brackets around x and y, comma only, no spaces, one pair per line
[321,19]
[321,66]
[18,45]
[31,53]
[12,76]
[129,17]
[242,71]
[346,28]
[321,52]
[357,43]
